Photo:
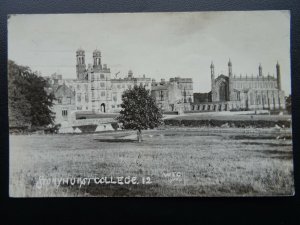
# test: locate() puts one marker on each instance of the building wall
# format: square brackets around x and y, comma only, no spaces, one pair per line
[118,87]
[64,104]
[83,95]
[172,95]
[259,92]
[96,90]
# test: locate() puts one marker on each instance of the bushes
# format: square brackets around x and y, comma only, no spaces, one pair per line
[230,123]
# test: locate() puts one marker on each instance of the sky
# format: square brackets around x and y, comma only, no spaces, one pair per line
[159,45]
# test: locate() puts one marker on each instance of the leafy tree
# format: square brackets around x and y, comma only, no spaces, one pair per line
[19,108]
[139,110]
[29,101]
[288,104]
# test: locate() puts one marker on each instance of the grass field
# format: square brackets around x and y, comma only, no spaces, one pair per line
[179,162]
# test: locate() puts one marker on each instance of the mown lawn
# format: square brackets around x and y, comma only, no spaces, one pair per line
[204,162]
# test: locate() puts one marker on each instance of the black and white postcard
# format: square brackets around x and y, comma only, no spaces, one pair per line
[150,104]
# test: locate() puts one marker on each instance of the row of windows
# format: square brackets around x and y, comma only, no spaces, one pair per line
[67,100]
[255,85]
[262,99]
[128,85]
[80,107]
[102,94]
[86,97]
[113,106]
[86,87]
[98,77]
[98,85]
[102,85]
[118,86]
[64,112]
[187,86]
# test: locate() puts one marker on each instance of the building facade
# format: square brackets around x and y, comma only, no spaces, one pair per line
[95,88]
[173,95]
[64,104]
[244,92]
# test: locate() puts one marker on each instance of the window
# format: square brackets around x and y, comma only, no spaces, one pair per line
[115,98]
[69,100]
[86,87]
[102,93]
[119,86]
[79,97]
[102,76]
[123,85]
[113,106]
[79,108]
[251,99]
[86,98]
[59,100]
[161,95]
[64,112]
[102,84]
[78,87]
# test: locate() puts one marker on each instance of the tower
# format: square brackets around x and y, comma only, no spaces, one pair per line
[80,64]
[278,76]
[230,83]
[130,74]
[97,60]
[229,68]
[212,77]
[260,70]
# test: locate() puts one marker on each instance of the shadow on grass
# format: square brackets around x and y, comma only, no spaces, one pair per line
[261,137]
[268,144]
[115,140]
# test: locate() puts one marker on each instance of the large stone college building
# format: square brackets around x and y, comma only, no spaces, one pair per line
[244,92]
[95,90]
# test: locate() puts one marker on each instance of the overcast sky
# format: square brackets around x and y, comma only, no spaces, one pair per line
[159,45]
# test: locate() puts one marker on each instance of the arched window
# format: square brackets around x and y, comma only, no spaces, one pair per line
[251,99]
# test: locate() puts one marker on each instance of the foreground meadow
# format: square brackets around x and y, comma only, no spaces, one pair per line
[171,161]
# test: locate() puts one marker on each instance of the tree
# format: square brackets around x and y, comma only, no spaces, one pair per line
[19,107]
[139,110]
[29,101]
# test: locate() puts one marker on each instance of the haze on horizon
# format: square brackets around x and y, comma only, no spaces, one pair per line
[159,45]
